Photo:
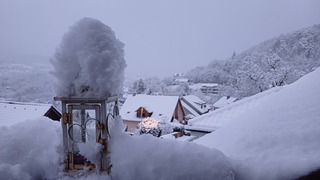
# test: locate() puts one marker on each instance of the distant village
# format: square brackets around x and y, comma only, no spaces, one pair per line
[141,113]
[164,116]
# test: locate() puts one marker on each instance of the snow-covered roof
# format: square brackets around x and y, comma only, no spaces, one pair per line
[172,137]
[209,84]
[194,105]
[14,112]
[188,109]
[218,118]
[201,85]
[223,101]
[279,138]
[198,128]
[182,80]
[162,107]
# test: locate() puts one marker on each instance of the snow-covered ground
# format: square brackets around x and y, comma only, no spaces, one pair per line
[32,150]
[279,138]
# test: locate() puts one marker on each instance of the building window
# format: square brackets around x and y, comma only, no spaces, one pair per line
[143,113]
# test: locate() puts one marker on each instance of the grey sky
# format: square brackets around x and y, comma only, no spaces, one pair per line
[160,37]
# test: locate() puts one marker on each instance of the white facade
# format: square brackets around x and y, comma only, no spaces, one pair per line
[206,88]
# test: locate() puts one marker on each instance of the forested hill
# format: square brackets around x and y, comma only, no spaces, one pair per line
[275,62]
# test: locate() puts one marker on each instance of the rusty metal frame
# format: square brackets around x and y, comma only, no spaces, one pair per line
[100,106]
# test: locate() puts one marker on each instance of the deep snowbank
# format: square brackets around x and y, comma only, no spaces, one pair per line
[279,139]
[147,157]
[32,150]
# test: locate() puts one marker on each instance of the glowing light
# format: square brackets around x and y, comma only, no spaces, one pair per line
[149,123]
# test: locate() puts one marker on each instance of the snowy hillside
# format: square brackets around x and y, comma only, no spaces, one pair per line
[27,82]
[275,62]
[277,139]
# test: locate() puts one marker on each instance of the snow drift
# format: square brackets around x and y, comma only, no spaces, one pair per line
[278,139]
[32,149]
[148,157]
[89,61]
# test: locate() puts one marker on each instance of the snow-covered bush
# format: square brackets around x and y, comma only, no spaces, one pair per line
[158,128]
[89,61]
[150,126]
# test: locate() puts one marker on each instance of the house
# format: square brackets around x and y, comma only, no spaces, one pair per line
[161,108]
[177,75]
[206,88]
[14,112]
[213,120]
[181,80]
[209,88]
[223,101]
[53,114]
[194,106]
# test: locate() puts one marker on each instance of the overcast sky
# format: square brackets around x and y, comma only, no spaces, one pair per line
[160,37]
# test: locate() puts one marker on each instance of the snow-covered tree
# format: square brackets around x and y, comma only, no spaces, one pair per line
[275,62]
[183,89]
[154,86]
[150,126]
[138,87]
[28,83]
[168,81]
[157,128]
[89,61]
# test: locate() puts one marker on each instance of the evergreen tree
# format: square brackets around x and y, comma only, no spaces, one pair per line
[139,86]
